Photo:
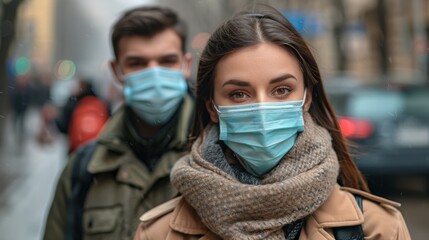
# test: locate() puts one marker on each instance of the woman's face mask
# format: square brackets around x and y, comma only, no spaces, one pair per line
[261,133]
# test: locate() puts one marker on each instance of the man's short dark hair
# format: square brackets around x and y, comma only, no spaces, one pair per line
[147,21]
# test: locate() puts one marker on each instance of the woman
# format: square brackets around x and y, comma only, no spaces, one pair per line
[268,160]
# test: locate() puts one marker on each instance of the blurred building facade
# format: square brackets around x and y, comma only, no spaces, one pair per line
[35,35]
[366,38]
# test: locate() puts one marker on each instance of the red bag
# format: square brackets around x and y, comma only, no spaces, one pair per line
[87,121]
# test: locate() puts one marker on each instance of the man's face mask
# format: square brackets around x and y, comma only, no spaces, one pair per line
[155,94]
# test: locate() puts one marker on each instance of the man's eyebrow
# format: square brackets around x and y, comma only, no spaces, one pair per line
[171,55]
[144,58]
[242,83]
[133,57]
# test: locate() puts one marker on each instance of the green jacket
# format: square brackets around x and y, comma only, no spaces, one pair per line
[123,188]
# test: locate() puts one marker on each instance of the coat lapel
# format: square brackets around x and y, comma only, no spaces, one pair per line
[339,210]
[186,220]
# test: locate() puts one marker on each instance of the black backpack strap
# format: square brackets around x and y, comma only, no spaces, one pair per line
[80,181]
[350,232]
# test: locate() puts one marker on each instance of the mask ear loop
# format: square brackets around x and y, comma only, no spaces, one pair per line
[305,96]
[184,65]
[120,73]
[119,82]
[216,107]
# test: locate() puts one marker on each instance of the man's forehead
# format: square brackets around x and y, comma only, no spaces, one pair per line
[164,43]
[132,56]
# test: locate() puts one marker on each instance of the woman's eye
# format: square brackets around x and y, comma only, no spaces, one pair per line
[239,96]
[281,91]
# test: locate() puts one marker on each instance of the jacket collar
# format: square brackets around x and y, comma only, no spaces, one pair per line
[112,153]
[112,141]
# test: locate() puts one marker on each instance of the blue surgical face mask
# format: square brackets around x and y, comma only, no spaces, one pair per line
[261,133]
[155,94]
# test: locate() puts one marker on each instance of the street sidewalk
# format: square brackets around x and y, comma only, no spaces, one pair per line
[29,172]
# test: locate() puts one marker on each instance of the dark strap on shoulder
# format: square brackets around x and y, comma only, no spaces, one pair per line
[359,201]
[350,232]
[80,181]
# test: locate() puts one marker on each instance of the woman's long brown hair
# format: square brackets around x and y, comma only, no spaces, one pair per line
[264,24]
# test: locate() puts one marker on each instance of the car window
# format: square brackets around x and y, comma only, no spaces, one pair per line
[338,102]
[417,103]
[375,104]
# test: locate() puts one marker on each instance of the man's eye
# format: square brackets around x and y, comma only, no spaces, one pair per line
[134,64]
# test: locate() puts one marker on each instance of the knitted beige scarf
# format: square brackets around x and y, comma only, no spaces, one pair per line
[294,189]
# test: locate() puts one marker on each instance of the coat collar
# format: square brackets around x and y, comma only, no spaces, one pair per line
[339,210]
[186,220]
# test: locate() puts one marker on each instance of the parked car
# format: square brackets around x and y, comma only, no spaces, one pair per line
[388,124]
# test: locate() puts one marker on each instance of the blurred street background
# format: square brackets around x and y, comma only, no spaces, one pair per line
[373,56]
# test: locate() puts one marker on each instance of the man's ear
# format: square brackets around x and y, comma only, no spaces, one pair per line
[212,111]
[188,65]
[114,67]
[308,99]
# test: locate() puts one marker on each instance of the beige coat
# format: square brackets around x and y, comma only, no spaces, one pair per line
[380,220]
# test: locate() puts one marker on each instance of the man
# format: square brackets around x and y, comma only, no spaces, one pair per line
[128,169]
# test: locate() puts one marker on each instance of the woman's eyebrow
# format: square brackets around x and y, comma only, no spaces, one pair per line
[283,78]
[236,82]
[242,83]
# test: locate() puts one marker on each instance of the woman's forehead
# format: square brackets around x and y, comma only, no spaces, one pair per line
[261,61]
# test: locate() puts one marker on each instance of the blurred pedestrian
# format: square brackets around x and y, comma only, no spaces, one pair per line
[80,119]
[107,184]
[20,99]
[269,161]
[48,110]
[83,116]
